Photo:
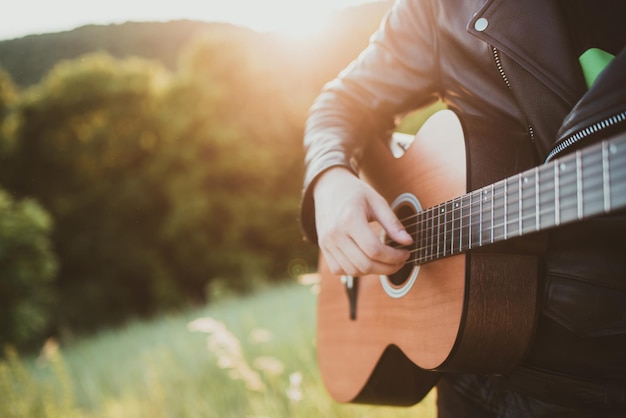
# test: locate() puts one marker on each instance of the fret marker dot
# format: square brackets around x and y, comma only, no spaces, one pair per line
[525,179]
[612,148]
[563,167]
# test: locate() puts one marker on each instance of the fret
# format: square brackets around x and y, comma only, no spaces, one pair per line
[445,230]
[617,173]
[486,218]
[480,218]
[476,216]
[419,238]
[465,234]
[605,178]
[546,206]
[434,233]
[499,211]
[505,209]
[449,240]
[528,204]
[520,181]
[537,207]
[437,230]
[557,199]
[513,206]
[441,233]
[431,233]
[568,193]
[424,235]
[579,186]
[491,215]
[457,226]
[591,182]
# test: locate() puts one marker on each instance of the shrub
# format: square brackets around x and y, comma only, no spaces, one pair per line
[27,268]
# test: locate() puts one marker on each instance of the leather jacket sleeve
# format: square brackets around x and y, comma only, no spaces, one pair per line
[395,73]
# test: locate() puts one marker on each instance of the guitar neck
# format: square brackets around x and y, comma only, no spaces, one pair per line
[587,183]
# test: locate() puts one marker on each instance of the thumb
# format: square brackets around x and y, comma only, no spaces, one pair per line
[386,217]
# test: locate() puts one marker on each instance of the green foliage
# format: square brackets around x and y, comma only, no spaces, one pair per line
[251,167]
[85,143]
[245,357]
[27,268]
[166,187]
[9,95]
[158,183]
[46,394]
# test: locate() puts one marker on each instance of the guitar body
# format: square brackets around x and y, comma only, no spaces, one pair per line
[384,340]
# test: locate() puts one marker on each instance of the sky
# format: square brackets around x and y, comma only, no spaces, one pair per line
[295,17]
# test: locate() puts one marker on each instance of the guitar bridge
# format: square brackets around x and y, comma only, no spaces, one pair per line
[352,286]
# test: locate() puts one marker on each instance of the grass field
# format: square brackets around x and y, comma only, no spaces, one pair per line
[251,357]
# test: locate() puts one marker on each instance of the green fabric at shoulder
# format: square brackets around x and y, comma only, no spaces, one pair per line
[593,61]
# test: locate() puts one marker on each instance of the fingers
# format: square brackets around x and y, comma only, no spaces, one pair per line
[351,260]
[345,206]
[381,212]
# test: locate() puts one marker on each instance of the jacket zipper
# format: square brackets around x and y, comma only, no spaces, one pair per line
[496,58]
[586,132]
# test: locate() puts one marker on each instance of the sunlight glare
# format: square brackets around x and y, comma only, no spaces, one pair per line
[290,18]
[302,24]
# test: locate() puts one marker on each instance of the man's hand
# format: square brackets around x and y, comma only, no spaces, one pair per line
[344,206]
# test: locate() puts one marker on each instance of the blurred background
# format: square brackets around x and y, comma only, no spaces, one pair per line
[150,175]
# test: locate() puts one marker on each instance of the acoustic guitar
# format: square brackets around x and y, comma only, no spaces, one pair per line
[452,308]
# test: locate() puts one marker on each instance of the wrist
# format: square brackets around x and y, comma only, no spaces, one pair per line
[331,176]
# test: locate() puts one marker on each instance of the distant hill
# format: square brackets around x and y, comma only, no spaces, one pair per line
[29,58]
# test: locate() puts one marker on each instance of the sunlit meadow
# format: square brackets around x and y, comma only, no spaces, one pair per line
[250,357]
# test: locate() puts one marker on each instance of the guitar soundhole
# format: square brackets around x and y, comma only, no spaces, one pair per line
[397,285]
[406,213]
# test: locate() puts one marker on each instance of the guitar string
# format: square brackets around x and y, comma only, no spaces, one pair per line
[467,200]
[434,222]
[468,203]
[590,158]
[437,247]
[443,233]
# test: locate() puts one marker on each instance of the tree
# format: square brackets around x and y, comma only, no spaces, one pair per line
[86,136]
[27,269]
[27,262]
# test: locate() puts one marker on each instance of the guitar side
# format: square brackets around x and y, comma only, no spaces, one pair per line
[456,316]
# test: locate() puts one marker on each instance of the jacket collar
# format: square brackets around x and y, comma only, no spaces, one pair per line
[535,35]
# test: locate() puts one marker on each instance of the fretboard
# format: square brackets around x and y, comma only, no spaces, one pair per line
[578,186]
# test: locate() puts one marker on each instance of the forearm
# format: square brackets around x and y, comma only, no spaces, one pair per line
[394,74]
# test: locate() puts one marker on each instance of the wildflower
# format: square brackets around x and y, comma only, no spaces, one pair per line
[270,365]
[227,349]
[259,336]
[312,280]
[208,325]
[309,279]
[50,349]
[294,391]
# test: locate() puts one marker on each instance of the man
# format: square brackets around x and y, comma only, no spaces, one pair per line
[520,74]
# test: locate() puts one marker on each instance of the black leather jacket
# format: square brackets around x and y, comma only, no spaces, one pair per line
[508,69]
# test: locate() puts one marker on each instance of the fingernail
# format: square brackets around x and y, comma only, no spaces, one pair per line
[405,235]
